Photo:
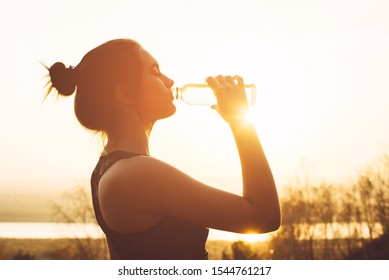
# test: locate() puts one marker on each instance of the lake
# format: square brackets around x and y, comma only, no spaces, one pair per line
[80,230]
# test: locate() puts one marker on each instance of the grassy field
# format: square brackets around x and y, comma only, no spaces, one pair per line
[96,249]
[58,249]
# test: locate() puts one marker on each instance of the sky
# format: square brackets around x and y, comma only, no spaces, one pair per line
[321,70]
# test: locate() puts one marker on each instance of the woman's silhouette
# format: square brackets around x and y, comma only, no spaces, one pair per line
[147,208]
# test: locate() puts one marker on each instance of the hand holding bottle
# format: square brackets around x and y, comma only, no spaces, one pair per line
[232,104]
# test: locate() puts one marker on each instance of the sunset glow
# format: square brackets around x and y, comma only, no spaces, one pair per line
[320,68]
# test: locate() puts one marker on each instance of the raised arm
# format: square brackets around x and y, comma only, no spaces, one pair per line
[258,183]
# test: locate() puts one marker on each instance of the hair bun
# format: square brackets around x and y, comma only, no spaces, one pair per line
[63,79]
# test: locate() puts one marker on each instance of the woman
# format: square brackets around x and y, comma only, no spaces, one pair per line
[147,208]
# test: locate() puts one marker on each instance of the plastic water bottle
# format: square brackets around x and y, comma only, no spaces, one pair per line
[202,94]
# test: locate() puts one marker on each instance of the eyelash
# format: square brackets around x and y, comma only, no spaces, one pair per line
[156,71]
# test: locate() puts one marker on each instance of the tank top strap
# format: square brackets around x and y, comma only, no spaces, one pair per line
[106,161]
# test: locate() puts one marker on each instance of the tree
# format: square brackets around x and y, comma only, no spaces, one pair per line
[76,207]
[242,251]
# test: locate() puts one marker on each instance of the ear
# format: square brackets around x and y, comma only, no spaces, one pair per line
[125,95]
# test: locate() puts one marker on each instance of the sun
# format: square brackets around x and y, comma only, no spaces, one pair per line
[251,116]
[253,238]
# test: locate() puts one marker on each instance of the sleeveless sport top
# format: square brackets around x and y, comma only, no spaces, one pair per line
[170,238]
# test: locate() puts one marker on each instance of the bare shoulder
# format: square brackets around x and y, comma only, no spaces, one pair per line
[126,174]
[141,180]
[121,197]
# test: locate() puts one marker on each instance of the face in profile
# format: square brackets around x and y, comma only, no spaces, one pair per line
[155,99]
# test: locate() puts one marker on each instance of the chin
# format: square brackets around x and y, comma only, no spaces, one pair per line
[171,111]
[168,112]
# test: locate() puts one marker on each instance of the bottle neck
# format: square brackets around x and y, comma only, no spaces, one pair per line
[176,92]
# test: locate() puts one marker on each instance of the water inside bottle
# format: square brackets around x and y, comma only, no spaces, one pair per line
[202,94]
[198,95]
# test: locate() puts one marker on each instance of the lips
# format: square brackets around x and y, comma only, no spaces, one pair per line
[171,95]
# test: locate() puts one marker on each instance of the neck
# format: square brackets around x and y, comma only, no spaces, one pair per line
[131,137]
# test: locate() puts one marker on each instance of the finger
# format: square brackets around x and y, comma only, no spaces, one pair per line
[239,80]
[221,79]
[211,81]
[230,80]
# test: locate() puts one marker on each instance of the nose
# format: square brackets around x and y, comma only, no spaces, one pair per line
[168,82]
